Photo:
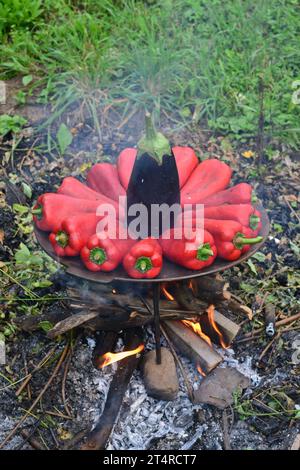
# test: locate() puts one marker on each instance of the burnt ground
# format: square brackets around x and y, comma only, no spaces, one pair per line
[266,416]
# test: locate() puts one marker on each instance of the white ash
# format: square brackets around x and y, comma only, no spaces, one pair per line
[244,367]
[143,419]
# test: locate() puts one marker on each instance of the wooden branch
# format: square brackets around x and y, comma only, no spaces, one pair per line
[31,323]
[71,322]
[211,289]
[185,298]
[99,436]
[236,307]
[228,328]
[136,319]
[192,346]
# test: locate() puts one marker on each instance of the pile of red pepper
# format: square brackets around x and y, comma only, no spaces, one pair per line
[231,221]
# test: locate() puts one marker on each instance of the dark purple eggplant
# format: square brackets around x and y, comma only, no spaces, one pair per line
[154,178]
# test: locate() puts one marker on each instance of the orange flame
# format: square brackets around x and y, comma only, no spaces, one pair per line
[167,294]
[201,371]
[192,286]
[211,318]
[195,326]
[110,358]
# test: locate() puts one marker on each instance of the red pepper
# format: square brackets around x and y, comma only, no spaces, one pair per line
[186,161]
[74,188]
[51,209]
[191,253]
[104,178]
[208,178]
[74,233]
[241,193]
[101,253]
[229,237]
[144,260]
[245,214]
[125,164]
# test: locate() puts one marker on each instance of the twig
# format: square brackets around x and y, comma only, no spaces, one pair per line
[39,366]
[40,395]
[28,437]
[291,208]
[268,346]
[254,334]
[77,438]
[180,365]
[227,445]
[127,118]
[59,415]
[64,379]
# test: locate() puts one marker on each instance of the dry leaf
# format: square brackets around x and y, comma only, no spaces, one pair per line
[248,311]
[248,154]
[1,236]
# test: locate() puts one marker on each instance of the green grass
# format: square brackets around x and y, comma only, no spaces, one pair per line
[194,60]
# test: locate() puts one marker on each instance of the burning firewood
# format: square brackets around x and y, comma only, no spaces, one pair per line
[99,436]
[193,346]
[105,342]
[219,328]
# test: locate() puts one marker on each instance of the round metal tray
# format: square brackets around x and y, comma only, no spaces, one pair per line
[170,271]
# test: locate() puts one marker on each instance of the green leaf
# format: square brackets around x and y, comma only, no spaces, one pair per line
[27,79]
[27,190]
[64,138]
[45,326]
[22,255]
[259,256]
[252,267]
[20,209]
[11,123]
[295,248]
[42,284]
[277,227]
[21,97]
[36,259]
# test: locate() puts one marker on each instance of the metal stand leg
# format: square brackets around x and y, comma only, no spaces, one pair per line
[156,296]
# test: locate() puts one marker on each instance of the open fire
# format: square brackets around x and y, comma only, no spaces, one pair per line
[109,357]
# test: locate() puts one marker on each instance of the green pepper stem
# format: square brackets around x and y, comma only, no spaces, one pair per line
[254,198]
[62,238]
[204,252]
[143,264]
[254,221]
[240,240]
[98,255]
[38,212]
